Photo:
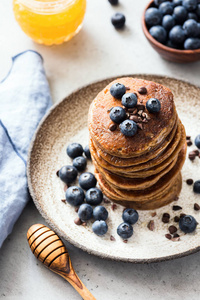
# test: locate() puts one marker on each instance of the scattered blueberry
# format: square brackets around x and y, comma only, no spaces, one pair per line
[158,2]
[68,174]
[118,20]
[166,8]
[159,33]
[190,5]
[191,28]
[196,187]
[197,141]
[177,35]
[180,14]
[192,44]
[113,2]
[177,3]
[79,163]
[129,100]
[85,212]
[128,128]
[100,213]
[168,22]
[87,152]
[117,90]
[94,196]
[187,224]
[99,227]
[74,195]
[87,180]
[192,16]
[74,150]
[153,16]
[125,230]
[153,105]
[130,216]
[117,114]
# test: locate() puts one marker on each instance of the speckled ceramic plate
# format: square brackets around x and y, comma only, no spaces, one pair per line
[66,122]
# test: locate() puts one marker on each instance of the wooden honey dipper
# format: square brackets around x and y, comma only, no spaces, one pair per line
[50,250]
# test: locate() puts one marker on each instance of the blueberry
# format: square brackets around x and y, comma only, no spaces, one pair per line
[125,230]
[197,141]
[187,224]
[100,213]
[166,8]
[129,100]
[159,33]
[74,195]
[192,44]
[196,187]
[198,10]
[85,212]
[177,35]
[191,28]
[113,2]
[74,150]
[117,114]
[87,152]
[177,3]
[87,180]
[130,216]
[180,14]
[190,5]
[158,2]
[117,90]
[153,16]
[153,105]
[118,20]
[94,196]
[192,16]
[68,174]
[128,128]
[99,227]
[79,163]
[168,22]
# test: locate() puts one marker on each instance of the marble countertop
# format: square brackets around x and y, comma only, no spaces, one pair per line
[97,52]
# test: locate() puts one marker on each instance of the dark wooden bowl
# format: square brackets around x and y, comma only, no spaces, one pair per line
[179,56]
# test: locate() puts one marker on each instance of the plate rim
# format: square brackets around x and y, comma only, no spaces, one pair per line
[42,212]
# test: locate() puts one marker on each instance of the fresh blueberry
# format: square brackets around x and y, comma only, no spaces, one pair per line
[166,8]
[159,33]
[87,152]
[68,174]
[153,16]
[94,196]
[117,90]
[196,187]
[192,44]
[85,212]
[130,216]
[113,2]
[177,35]
[79,163]
[99,227]
[128,128]
[158,2]
[197,141]
[198,10]
[180,14]
[100,213]
[153,105]
[168,22]
[87,180]
[129,100]
[177,3]
[74,195]
[192,16]
[117,114]
[125,230]
[118,20]
[187,224]
[191,28]
[190,5]
[74,150]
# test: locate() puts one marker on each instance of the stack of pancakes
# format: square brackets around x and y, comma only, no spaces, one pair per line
[142,171]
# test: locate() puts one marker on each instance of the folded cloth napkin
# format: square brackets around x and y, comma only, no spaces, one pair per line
[24,99]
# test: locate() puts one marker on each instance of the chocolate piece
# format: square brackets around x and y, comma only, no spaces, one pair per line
[176,207]
[78,221]
[113,206]
[113,127]
[140,107]
[63,200]
[134,118]
[193,154]
[175,235]
[168,236]
[153,214]
[172,229]
[188,137]
[196,206]
[112,238]
[196,151]
[125,241]
[142,90]
[189,181]
[189,143]
[182,215]
[151,225]
[166,215]
[127,88]
[176,219]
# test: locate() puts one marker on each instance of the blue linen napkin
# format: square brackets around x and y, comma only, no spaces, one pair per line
[24,99]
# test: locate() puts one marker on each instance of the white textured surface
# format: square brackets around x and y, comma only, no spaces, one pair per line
[97,52]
